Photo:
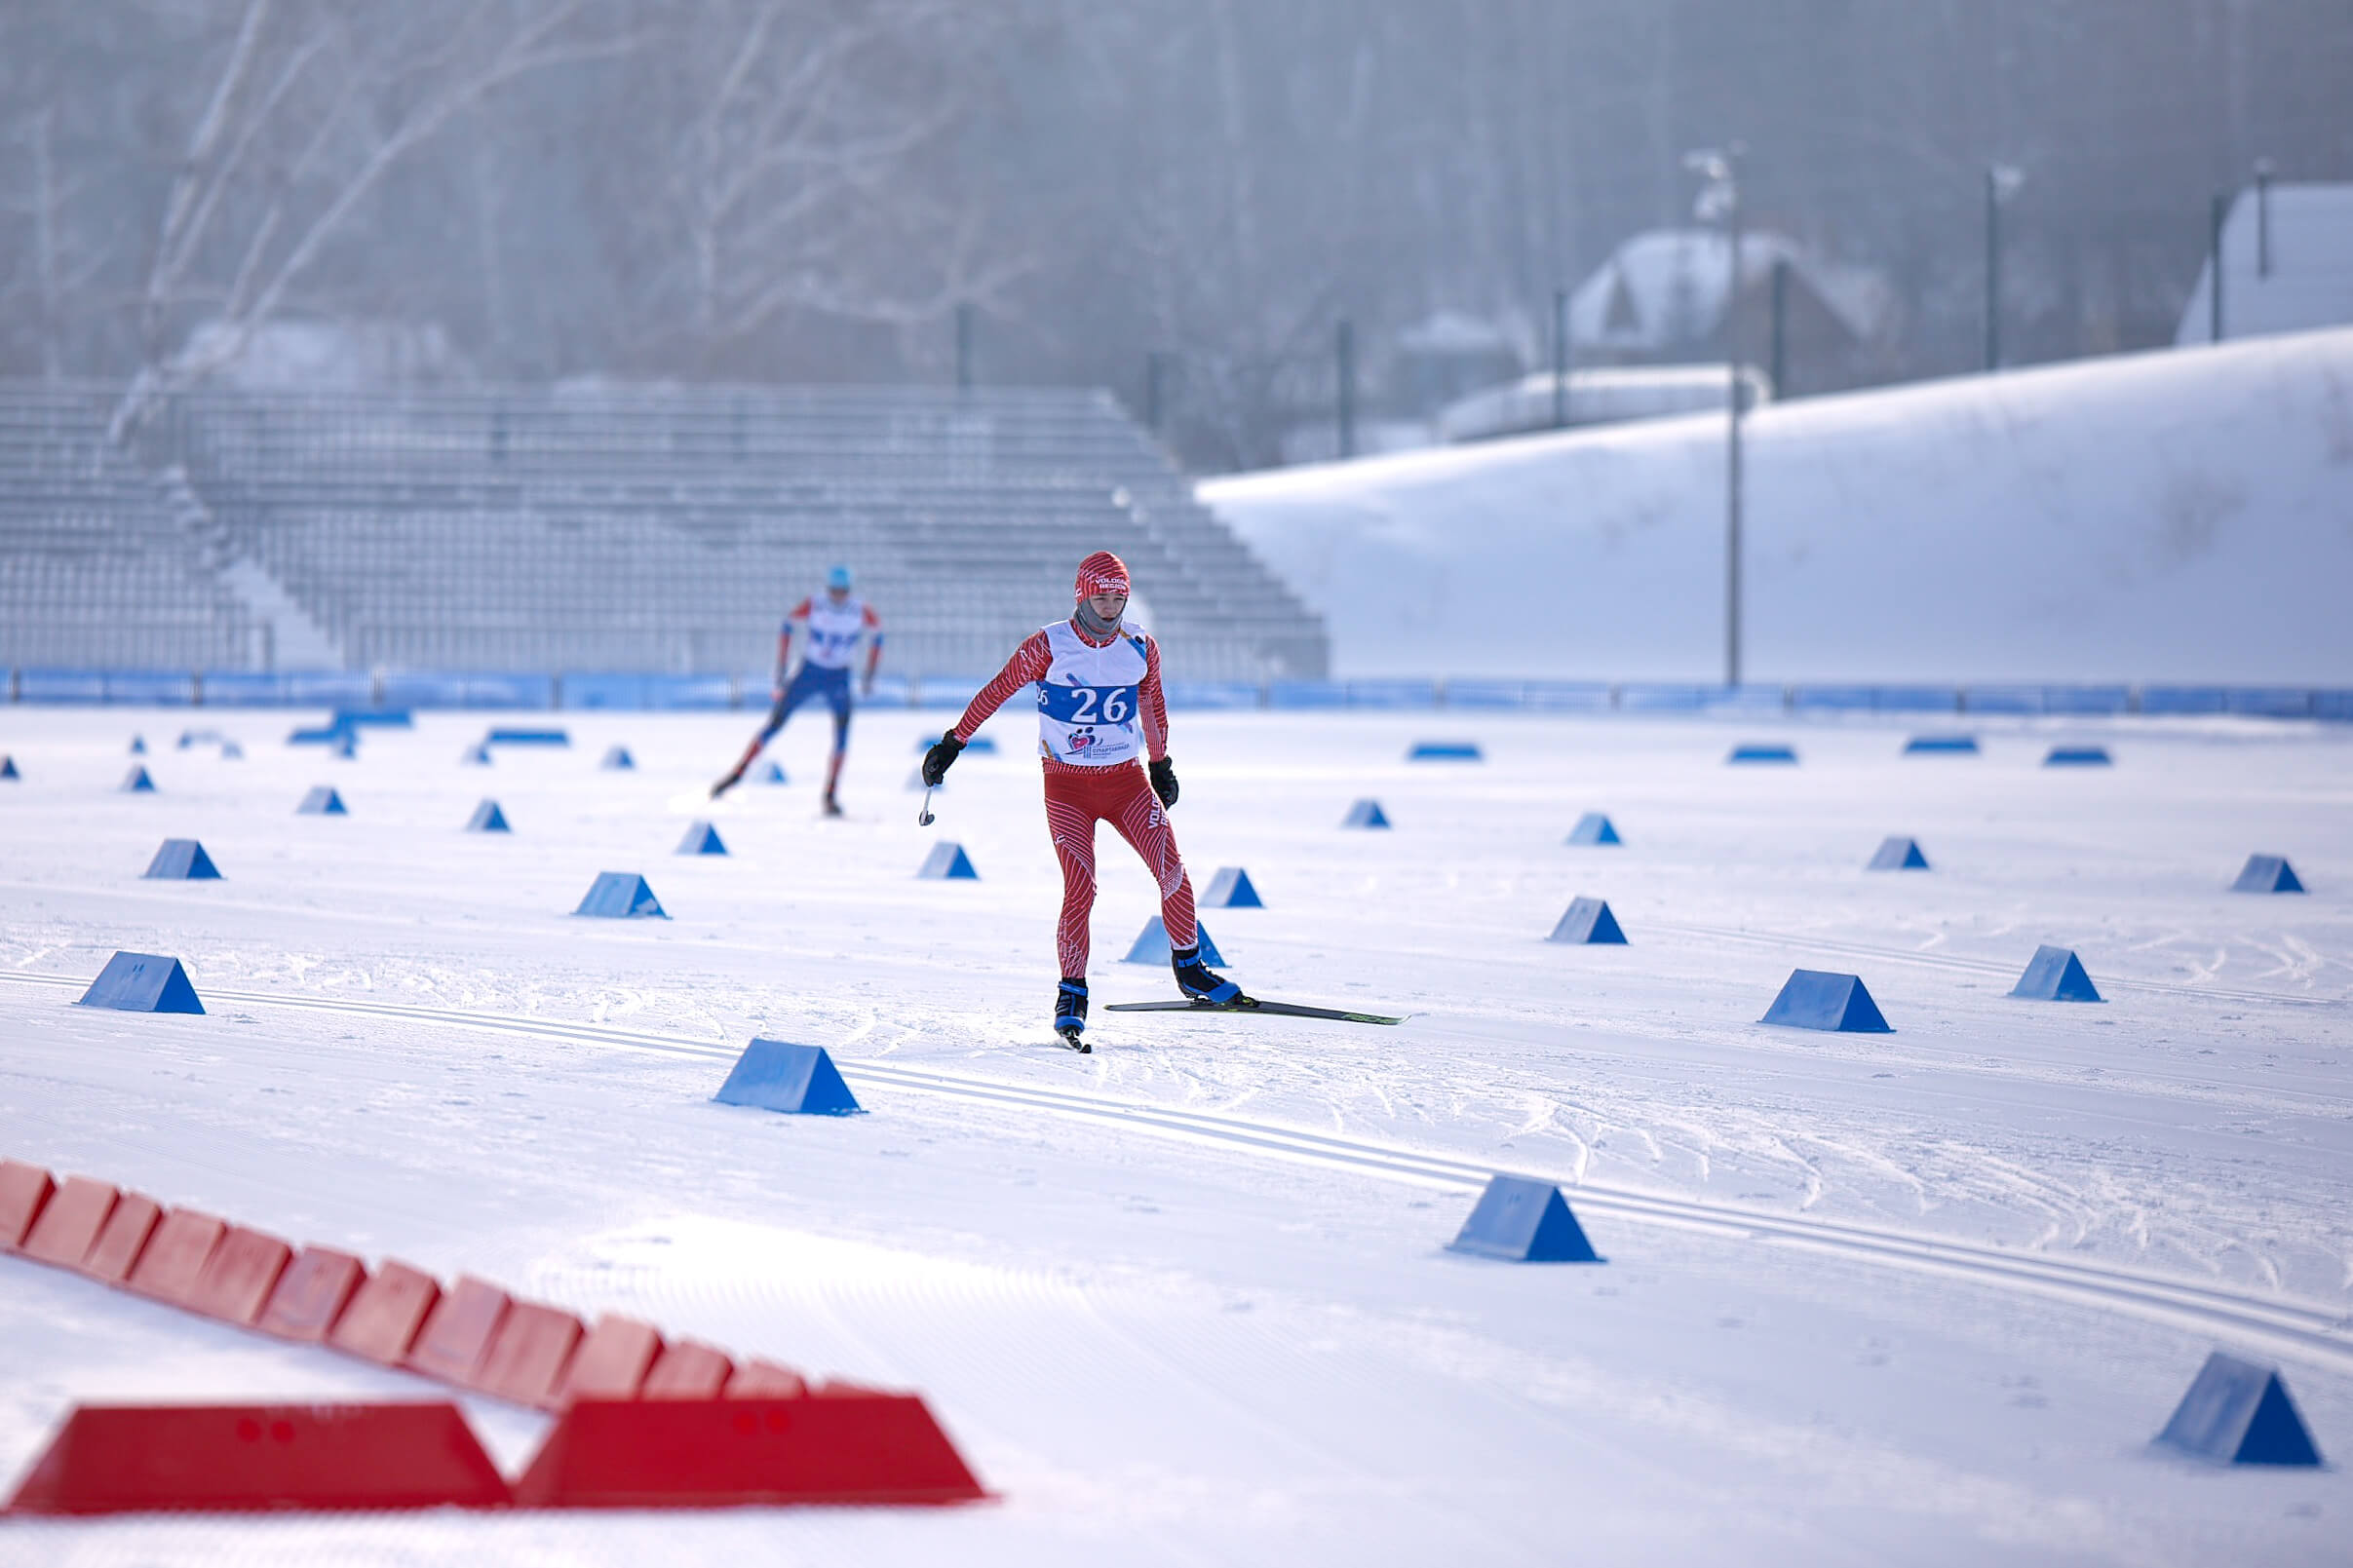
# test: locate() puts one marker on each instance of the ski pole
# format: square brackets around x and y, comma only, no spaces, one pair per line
[923,818]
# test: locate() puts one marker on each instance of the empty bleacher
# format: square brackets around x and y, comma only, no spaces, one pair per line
[95,570]
[653,529]
[667,529]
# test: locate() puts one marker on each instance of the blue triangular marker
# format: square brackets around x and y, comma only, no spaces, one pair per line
[621,895]
[1152,945]
[2055,974]
[618,760]
[1365,813]
[701,839]
[1230,889]
[321,801]
[1761,753]
[139,745]
[1899,855]
[142,982]
[948,859]
[478,756]
[137,782]
[1522,1220]
[181,860]
[2078,756]
[774,776]
[775,1075]
[1594,829]
[8,767]
[1941,745]
[2239,1413]
[1588,921]
[488,818]
[1444,751]
[1814,999]
[2267,873]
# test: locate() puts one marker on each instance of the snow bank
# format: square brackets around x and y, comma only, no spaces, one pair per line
[2178,515]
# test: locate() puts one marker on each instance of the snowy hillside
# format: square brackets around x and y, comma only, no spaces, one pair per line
[1917,1298]
[2180,515]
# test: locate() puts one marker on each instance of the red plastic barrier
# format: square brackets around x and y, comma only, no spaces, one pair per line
[174,1256]
[23,1190]
[687,1370]
[384,1317]
[527,1355]
[765,1380]
[457,1332]
[239,1276]
[719,1453]
[312,1293]
[247,1458]
[70,1222]
[612,1360]
[123,1239]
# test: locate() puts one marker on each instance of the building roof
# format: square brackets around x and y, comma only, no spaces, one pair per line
[2310,284]
[1666,289]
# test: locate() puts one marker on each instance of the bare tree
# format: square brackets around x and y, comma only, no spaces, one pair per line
[313,104]
[810,169]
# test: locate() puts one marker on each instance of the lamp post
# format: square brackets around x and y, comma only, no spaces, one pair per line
[1719,197]
[1344,353]
[2001,183]
[2262,217]
[1560,358]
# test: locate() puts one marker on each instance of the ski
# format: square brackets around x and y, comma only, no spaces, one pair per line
[1251,1004]
[1077,1042]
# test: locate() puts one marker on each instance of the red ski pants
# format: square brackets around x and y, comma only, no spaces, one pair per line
[1076,800]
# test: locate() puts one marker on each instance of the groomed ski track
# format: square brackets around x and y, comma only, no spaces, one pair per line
[2319,1334]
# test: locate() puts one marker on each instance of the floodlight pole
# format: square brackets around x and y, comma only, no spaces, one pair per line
[1993,268]
[2216,216]
[2262,217]
[1560,358]
[1344,352]
[1732,541]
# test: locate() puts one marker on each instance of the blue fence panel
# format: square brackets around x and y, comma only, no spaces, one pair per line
[2272,702]
[60,685]
[890,691]
[1834,699]
[1393,694]
[245,688]
[2087,699]
[2001,699]
[1648,696]
[1746,699]
[1563,696]
[2184,700]
[158,686]
[2337,704]
[1484,693]
[1206,694]
[1295,694]
[1918,700]
[330,688]
[605,691]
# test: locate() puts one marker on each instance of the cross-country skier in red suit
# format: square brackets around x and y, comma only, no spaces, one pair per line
[1100,710]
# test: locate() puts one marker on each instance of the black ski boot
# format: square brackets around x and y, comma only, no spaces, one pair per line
[1070,1014]
[832,807]
[1200,984]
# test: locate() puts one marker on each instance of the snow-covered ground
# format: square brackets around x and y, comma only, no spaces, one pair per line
[1920,1297]
[2179,515]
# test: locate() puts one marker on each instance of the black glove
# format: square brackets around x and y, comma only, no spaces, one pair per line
[944,752]
[1164,780]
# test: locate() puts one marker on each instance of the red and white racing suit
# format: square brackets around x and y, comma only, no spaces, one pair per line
[1094,699]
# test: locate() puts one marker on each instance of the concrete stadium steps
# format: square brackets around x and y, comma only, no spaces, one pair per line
[94,568]
[668,529]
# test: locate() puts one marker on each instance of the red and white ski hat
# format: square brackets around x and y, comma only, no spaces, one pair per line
[1102,573]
